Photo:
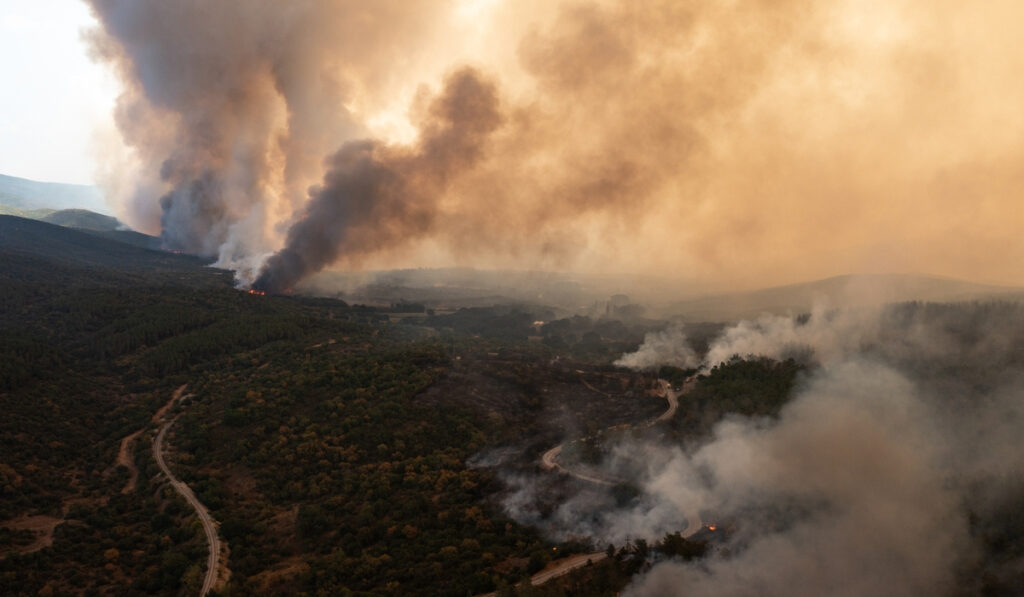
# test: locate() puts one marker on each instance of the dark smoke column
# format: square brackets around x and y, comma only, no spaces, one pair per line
[376,196]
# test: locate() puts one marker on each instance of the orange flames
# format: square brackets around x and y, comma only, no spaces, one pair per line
[257,292]
[712,527]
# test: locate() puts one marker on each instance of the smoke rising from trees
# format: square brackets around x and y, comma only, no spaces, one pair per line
[376,195]
[845,494]
[665,347]
[889,471]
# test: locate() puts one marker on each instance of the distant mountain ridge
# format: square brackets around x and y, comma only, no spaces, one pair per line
[34,214]
[70,205]
[460,287]
[838,291]
[81,207]
[87,221]
[26,194]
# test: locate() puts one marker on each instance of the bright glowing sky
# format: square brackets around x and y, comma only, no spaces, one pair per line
[55,101]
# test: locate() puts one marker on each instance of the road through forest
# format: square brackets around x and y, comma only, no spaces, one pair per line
[561,568]
[209,524]
[549,461]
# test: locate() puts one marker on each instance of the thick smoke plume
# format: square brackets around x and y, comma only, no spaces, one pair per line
[665,347]
[375,195]
[739,144]
[231,106]
[844,495]
[893,469]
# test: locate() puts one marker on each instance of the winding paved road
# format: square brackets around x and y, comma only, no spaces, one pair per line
[549,461]
[673,400]
[209,524]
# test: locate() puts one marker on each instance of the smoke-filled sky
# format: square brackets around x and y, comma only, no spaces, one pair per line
[733,143]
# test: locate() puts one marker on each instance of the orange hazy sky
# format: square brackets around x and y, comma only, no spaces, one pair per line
[738,143]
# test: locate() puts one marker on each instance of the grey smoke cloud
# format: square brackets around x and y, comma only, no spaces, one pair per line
[664,347]
[858,449]
[831,334]
[892,462]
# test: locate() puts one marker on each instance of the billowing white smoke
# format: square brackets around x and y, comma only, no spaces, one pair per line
[855,476]
[827,335]
[830,335]
[665,347]
[866,481]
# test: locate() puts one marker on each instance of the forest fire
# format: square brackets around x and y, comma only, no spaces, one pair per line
[712,527]
[257,292]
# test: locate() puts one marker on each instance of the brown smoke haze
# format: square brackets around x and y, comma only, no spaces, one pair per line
[734,143]
[853,474]
[889,471]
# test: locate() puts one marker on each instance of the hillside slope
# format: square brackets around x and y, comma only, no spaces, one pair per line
[82,218]
[94,338]
[26,245]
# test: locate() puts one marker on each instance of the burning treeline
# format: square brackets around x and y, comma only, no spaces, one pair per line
[743,143]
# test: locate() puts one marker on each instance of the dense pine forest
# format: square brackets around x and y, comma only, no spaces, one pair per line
[316,432]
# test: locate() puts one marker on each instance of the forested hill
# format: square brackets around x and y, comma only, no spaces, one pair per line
[303,434]
[83,219]
[40,252]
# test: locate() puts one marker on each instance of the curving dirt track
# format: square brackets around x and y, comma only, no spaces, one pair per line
[571,563]
[40,525]
[126,451]
[561,568]
[126,458]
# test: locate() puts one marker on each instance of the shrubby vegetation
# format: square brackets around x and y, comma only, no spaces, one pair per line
[753,387]
[301,435]
[334,446]
[331,445]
